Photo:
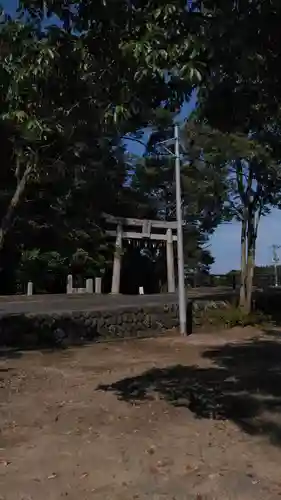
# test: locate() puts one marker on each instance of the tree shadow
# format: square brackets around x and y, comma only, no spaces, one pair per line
[243,385]
[3,372]
[268,303]
[9,353]
[44,332]
[273,332]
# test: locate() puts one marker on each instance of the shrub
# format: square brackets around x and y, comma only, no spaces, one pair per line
[234,316]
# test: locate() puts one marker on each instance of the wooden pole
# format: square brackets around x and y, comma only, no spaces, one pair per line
[170,262]
[115,286]
[181,275]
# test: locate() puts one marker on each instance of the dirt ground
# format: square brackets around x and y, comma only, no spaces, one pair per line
[170,418]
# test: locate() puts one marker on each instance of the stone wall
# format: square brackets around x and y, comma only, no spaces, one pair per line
[74,328]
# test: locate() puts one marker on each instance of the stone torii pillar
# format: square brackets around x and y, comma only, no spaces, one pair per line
[170,261]
[115,286]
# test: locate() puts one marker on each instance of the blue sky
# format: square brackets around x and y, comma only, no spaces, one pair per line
[225,244]
[9,5]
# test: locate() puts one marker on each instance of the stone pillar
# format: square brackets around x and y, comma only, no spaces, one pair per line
[115,286]
[89,285]
[170,262]
[29,288]
[98,285]
[69,284]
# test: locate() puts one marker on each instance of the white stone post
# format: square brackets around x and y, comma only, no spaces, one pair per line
[89,285]
[170,261]
[115,286]
[29,288]
[69,285]
[98,285]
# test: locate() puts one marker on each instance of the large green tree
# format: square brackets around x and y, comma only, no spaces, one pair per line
[251,176]
[239,100]
[141,54]
[69,92]
[241,88]
[54,151]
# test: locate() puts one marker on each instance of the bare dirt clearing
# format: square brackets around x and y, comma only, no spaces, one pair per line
[170,418]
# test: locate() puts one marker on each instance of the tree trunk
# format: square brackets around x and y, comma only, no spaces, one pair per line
[8,219]
[248,255]
[248,236]
[250,276]
[251,227]
[253,224]
[243,274]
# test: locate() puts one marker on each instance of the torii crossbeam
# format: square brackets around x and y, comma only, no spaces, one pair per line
[129,228]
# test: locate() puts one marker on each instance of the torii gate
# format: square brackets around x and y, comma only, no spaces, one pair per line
[128,228]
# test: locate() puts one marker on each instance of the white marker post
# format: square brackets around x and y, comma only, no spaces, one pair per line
[69,284]
[29,288]
[98,285]
[89,285]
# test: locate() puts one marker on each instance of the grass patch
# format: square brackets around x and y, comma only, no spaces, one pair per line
[234,316]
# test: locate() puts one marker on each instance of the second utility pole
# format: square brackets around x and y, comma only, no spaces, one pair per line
[181,280]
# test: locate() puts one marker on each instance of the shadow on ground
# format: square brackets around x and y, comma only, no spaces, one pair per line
[243,385]
[8,353]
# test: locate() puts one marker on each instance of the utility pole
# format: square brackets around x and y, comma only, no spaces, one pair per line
[181,280]
[275,260]
[181,277]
